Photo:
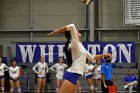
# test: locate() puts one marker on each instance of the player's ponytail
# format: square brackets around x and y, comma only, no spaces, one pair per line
[67,49]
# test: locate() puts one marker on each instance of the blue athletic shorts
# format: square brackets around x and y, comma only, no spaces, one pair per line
[72,77]
[89,76]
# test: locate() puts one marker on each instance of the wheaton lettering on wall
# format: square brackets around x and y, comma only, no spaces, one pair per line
[30,52]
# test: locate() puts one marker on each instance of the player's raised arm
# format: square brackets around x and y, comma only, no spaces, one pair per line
[57,31]
[74,33]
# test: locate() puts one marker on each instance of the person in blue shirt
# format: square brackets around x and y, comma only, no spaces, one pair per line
[130,81]
[107,78]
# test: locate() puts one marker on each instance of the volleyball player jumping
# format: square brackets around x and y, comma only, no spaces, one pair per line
[79,55]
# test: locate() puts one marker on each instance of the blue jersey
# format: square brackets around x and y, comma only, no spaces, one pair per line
[106,70]
[130,78]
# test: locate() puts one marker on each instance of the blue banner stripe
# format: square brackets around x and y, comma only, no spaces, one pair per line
[122,52]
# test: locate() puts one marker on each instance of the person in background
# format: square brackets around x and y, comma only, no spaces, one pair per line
[107,78]
[130,81]
[89,75]
[3,67]
[14,74]
[59,68]
[41,69]
[97,75]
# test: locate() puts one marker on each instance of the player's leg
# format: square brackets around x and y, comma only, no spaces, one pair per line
[11,86]
[67,87]
[79,89]
[17,83]
[61,81]
[69,83]
[96,83]
[58,84]
[2,84]
[90,83]
[39,81]
[134,83]
[43,85]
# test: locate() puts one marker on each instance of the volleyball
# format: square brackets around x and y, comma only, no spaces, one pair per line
[87,2]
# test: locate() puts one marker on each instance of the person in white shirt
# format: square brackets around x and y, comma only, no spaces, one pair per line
[89,75]
[79,55]
[59,68]
[3,67]
[41,69]
[97,74]
[14,74]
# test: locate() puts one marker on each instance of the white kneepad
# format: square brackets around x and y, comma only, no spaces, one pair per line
[91,87]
